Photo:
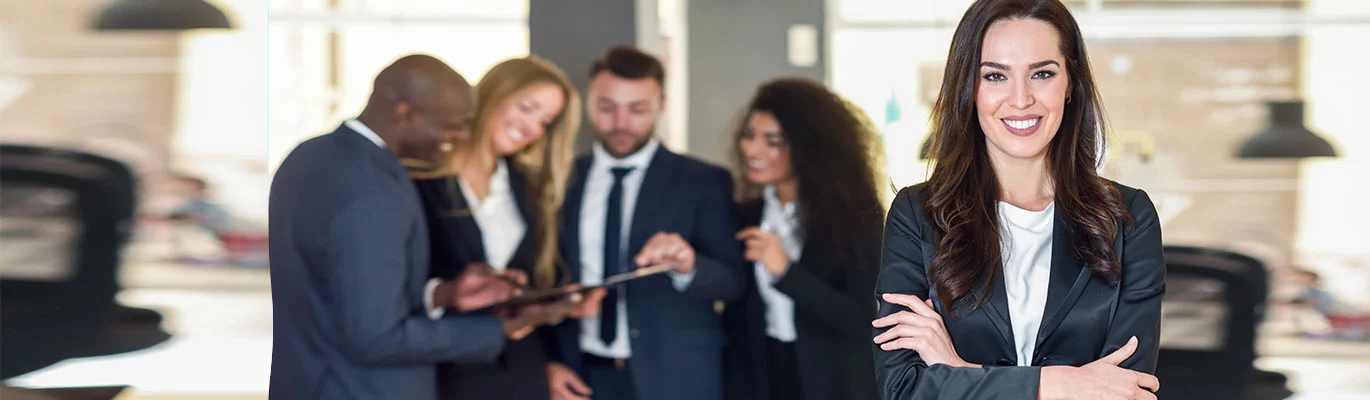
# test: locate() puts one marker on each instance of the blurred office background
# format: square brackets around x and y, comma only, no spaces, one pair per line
[92,114]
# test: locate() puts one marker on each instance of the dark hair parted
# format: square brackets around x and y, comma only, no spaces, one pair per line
[963,191]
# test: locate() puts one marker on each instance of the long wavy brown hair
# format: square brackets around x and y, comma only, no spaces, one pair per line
[841,194]
[963,191]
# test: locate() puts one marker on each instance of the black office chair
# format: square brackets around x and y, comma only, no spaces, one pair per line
[1253,269]
[121,184]
[118,179]
[1209,325]
[1258,274]
[63,216]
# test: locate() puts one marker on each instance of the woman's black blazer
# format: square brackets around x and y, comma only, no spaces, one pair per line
[1085,318]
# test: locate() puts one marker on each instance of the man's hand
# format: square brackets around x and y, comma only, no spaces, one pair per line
[520,321]
[479,286]
[565,384]
[667,248]
[588,307]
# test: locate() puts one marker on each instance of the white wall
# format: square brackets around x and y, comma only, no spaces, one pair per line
[1332,200]
[221,118]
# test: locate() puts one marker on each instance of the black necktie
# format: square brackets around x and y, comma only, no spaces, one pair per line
[613,236]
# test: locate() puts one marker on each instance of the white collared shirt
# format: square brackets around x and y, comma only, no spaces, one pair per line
[783,221]
[431,287]
[598,183]
[1027,271]
[501,223]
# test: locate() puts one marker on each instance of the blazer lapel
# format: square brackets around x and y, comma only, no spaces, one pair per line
[750,212]
[1068,280]
[653,193]
[518,184]
[526,253]
[463,221]
[996,306]
[570,211]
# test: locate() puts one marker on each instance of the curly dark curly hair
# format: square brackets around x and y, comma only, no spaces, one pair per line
[835,154]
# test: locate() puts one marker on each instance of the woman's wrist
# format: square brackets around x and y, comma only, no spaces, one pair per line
[959,363]
[1053,381]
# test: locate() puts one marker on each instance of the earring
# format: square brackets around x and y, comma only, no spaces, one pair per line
[1067,99]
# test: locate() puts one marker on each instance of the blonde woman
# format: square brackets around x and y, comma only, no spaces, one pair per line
[495,201]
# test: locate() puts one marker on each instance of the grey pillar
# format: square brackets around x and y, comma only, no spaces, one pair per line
[733,47]
[571,34]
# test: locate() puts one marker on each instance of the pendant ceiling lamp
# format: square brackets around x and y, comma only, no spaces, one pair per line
[160,15]
[1286,137]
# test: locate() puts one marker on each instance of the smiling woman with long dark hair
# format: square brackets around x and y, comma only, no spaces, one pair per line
[1016,271]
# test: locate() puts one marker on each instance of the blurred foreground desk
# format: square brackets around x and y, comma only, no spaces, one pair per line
[1292,346]
[222,321]
[1318,369]
[79,393]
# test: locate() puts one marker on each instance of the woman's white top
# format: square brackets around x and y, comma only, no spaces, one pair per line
[782,219]
[1027,271]
[498,217]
